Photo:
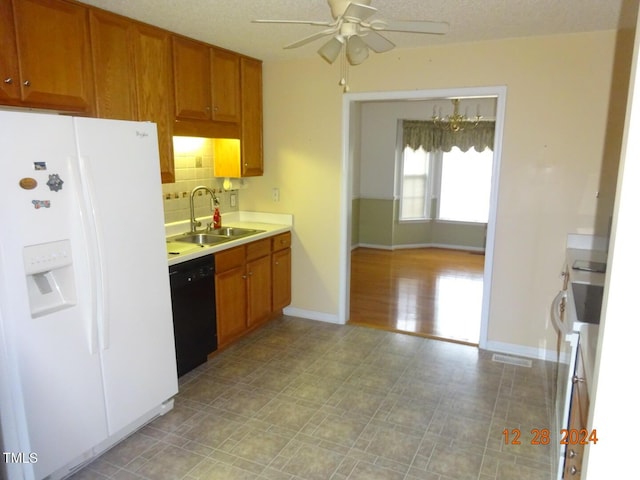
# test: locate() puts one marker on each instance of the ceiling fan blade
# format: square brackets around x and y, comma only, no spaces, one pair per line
[311,38]
[330,50]
[377,42]
[299,22]
[358,11]
[437,28]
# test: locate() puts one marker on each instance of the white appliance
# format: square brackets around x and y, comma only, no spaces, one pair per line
[87,351]
[567,348]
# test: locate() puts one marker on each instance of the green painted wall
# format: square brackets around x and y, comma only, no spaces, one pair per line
[374,223]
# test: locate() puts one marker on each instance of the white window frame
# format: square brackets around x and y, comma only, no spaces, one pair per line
[433,190]
[426,214]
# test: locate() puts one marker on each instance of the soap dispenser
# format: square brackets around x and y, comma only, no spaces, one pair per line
[217,217]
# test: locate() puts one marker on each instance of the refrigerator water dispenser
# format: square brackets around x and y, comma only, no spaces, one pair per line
[50,279]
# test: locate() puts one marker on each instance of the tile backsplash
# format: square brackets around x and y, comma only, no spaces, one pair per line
[193,160]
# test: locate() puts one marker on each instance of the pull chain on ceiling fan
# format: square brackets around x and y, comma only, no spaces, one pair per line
[353,36]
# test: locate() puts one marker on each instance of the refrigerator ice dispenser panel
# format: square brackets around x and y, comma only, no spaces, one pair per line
[49,275]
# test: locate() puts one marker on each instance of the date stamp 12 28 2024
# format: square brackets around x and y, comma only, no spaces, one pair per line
[542,436]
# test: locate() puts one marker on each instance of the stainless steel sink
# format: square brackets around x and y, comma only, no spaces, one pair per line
[200,238]
[234,232]
[212,237]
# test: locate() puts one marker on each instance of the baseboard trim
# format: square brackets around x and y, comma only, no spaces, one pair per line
[418,245]
[312,315]
[522,351]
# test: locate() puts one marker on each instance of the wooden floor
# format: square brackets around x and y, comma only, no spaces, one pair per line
[430,292]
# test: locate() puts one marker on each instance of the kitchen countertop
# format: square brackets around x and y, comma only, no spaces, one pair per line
[271,224]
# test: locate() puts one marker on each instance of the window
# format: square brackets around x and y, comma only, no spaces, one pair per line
[465,185]
[460,181]
[415,184]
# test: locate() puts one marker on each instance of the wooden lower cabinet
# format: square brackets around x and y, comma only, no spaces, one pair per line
[248,281]
[281,271]
[231,304]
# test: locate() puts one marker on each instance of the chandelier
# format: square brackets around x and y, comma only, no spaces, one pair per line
[455,122]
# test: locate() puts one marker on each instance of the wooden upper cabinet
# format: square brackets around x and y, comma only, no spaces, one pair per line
[54,55]
[112,38]
[154,89]
[251,108]
[192,79]
[9,74]
[225,85]
[207,82]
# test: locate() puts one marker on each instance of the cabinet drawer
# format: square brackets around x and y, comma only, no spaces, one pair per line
[228,259]
[280,242]
[258,249]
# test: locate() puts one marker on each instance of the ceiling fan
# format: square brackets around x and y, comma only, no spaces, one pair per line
[351,29]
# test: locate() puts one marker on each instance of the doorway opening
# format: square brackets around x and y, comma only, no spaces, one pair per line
[479,274]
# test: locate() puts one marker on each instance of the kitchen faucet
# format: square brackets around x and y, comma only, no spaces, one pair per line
[214,200]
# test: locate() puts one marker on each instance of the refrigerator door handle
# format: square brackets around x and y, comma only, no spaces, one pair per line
[91,260]
[96,257]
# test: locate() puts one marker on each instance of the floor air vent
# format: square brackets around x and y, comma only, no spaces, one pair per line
[519,362]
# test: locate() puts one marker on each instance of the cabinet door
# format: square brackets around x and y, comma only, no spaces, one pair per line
[9,76]
[54,55]
[114,66]
[231,310]
[191,73]
[154,88]
[251,112]
[225,85]
[281,284]
[258,290]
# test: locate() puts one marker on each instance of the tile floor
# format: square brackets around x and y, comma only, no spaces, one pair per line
[306,400]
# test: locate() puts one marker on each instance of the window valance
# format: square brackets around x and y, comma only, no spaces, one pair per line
[424,133]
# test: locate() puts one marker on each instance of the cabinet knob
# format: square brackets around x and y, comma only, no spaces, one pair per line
[573,470]
[577,379]
[27,83]
[8,81]
[572,453]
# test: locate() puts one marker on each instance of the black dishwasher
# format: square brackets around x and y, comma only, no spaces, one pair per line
[194,311]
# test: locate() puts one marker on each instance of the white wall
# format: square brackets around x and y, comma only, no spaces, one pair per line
[558,91]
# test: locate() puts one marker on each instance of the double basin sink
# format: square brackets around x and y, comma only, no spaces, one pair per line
[212,237]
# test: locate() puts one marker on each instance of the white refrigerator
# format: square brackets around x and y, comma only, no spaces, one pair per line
[87,352]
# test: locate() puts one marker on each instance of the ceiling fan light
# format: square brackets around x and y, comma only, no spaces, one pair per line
[330,50]
[357,50]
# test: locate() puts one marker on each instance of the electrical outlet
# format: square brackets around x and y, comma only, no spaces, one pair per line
[233,199]
[275,194]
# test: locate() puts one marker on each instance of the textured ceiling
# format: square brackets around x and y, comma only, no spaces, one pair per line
[227,23]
